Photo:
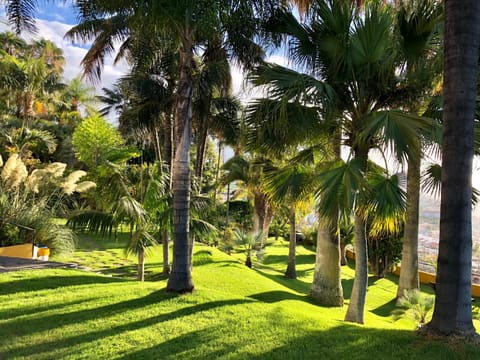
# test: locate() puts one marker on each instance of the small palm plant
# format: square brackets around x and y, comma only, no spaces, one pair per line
[250,242]
[416,305]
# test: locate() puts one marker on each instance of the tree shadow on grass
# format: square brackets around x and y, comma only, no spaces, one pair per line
[28,284]
[355,342]
[293,284]
[337,343]
[14,312]
[191,346]
[42,324]
[271,297]
[304,259]
[386,309]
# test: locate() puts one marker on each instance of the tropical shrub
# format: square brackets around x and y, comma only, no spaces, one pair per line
[29,203]
[250,243]
[416,305]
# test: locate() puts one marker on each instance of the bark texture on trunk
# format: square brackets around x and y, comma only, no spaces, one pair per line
[141,264]
[180,279]
[327,286]
[356,307]
[453,308]
[343,253]
[200,158]
[165,253]
[291,271]
[409,271]
[262,215]
[248,261]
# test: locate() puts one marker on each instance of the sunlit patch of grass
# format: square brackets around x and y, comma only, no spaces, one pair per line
[234,313]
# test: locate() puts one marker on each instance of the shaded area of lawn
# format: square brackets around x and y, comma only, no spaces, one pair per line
[234,313]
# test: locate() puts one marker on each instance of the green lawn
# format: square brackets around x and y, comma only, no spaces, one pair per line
[234,313]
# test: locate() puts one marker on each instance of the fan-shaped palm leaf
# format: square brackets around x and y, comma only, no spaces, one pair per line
[340,184]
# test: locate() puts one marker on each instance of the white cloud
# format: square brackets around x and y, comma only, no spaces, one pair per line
[243,89]
[74,53]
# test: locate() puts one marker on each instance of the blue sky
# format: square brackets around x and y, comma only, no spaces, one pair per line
[57,11]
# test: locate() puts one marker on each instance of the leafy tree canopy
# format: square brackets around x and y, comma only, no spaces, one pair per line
[96,142]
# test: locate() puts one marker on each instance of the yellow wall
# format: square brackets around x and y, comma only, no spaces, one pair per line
[19,251]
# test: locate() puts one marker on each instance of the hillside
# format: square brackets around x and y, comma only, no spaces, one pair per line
[234,313]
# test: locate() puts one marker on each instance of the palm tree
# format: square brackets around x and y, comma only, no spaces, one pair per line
[453,311]
[419,24]
[249,172]
[12,44]
[290,185]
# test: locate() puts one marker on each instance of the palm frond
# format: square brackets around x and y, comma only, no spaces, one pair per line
[340,184]
[284,83]
[432,183]
[432,180]
[92,220]
[21,15]
[386,203]
[397,130]
[290,183]
[140,239]
[237,169]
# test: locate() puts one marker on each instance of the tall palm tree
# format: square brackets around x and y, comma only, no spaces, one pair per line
[453,311]
[419,25]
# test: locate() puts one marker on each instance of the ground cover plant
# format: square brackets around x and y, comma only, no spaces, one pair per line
[234,313]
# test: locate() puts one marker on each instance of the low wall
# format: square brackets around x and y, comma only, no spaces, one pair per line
[24,251]
[424,278]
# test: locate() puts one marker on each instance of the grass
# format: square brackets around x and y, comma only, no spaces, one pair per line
[234,313]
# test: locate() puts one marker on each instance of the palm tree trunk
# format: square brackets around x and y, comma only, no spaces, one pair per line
[141,264]
[327,286]
[158,150]
[180,279]
[258,212]
[327,278]
[267,220]
[262,215]
[248,260]
[166,253]
[356,307]
[291,272]
[217,172]
[409,272]
[343,253]
[201,145]
[453,308]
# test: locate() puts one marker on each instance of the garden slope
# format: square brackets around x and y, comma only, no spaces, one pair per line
[234,313]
